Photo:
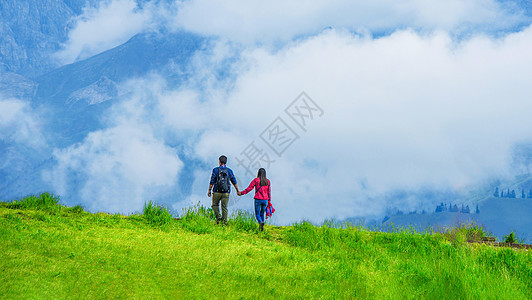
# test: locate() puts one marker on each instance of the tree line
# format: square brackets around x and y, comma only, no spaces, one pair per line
[511,194]
[454,208]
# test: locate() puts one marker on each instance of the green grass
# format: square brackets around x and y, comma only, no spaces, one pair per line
[45,201]
[156,215]
[52,251]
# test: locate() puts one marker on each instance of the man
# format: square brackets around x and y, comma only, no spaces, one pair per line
[220,178]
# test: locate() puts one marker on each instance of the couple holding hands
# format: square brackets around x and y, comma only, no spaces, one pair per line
[221,180]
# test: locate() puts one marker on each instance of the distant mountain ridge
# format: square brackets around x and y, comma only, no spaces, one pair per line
[136,57]
[95,80]
[31,30]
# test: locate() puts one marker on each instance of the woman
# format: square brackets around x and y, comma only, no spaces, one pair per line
[262,195]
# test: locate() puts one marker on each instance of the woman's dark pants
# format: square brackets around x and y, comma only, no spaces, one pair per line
[260,209]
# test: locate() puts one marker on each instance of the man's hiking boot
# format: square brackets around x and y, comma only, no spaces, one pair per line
[261,226]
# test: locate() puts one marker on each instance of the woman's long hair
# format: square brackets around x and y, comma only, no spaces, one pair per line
[262,176]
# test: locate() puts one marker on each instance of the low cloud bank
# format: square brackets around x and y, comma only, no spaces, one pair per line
[19,123]
[405,113]
[115,170]
[407,109]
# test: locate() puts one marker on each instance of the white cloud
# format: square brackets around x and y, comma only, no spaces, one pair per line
[116,169]
[256,21]
[19,124]
[401,112]
[100,28]
[113,22]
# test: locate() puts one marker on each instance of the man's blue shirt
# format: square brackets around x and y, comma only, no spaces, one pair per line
[214,176]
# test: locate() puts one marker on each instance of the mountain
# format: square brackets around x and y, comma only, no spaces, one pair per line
[13,85]
[31,30]
[77,93]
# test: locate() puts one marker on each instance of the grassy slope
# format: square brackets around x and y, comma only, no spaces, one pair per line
[63,252]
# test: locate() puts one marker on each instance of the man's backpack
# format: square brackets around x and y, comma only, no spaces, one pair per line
[222,184]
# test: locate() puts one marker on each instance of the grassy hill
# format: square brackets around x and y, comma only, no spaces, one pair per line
[52,251]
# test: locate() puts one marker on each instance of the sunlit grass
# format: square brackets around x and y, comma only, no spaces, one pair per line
[156,215]
[63,252]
